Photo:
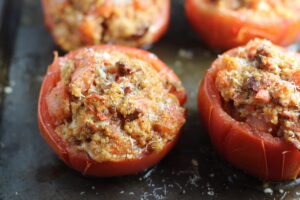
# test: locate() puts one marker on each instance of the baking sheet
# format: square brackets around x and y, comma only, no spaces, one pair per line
[30,170]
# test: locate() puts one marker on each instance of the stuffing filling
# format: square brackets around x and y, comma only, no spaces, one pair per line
[113,106]
[88,22]
[259,85]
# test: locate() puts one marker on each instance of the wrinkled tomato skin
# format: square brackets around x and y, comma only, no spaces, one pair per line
[160,29]
[223,31]
[79,160]
[259,154]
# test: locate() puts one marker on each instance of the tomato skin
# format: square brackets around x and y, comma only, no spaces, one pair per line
[225,30]
[259,154]
[158,29]
[79,160]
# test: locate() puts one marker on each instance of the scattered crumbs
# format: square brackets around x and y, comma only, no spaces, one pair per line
[82,193]
[122,192]
[281,191]
[268,191]
[16,193]
[8,90]
[149,182]
[178,185]
[158,193]
[145,196]
[93,187]
[297,193]
[195,162]
[210,190]
[211,175]
[193,180]
[131,193]
[148,174]
[184,53]
[283,196]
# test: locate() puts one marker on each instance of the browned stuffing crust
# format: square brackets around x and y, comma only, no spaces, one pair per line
[260,86]
[75,23]
[118,107]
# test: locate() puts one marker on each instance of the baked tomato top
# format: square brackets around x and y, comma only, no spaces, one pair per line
[249,102]
[224,24]
[77,23]
[104,106]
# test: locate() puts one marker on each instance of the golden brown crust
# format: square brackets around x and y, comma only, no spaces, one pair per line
[259,86]
[75,23]
[120,106]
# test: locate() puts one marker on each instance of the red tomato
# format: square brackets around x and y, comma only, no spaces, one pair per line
[80,160]
[227,28]
[256,152]
[87,27]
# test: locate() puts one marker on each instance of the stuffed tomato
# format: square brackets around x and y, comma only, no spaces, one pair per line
[110,110]
[249,101]
[77,23]
[224,24]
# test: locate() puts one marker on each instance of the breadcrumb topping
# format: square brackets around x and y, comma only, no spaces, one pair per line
[119,107]
[87,22]
[260,86]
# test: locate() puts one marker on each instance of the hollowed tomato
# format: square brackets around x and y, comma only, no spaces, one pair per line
[227,24]
[83,23]
[256,152]
[79,159]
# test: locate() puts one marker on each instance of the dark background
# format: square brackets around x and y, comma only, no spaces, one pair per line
[30,170]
